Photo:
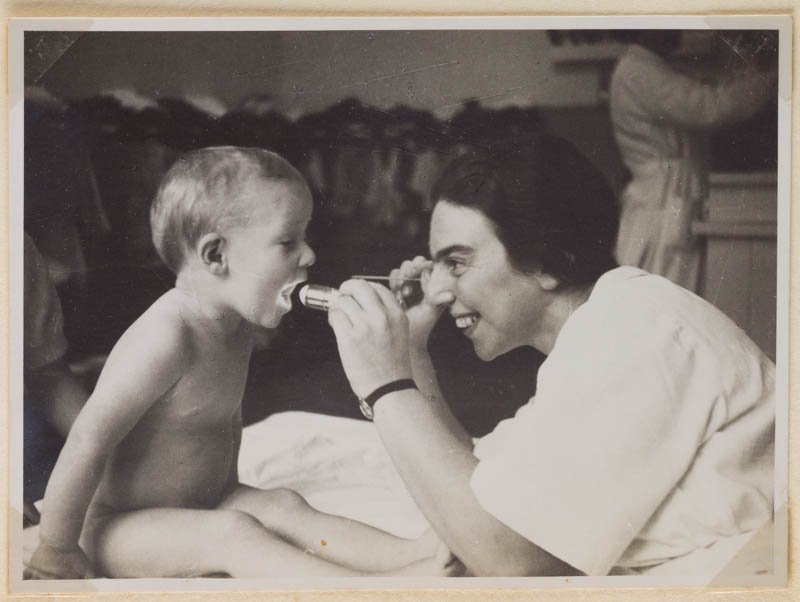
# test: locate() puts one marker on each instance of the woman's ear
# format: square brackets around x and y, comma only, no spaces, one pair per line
[546,281]
[211,249]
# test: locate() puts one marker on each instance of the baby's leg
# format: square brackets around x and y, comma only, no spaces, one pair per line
[173,542]
[334,538]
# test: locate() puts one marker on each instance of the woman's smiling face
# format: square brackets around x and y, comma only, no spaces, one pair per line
[496,306]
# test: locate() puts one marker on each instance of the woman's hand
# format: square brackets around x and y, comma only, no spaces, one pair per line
[422,316]
[48,562]
[372,335]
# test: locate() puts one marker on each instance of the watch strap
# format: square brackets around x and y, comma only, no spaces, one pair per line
[365,403]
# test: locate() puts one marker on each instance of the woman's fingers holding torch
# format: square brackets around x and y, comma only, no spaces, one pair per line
[371,334]
[359,307]
[403,280]
[378,304]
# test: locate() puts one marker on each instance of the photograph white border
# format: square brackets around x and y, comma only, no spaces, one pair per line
[16,93]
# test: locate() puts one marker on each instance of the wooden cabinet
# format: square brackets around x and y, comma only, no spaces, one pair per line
[739,228]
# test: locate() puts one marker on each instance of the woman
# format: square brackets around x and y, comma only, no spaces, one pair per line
[651,432]
[659,117]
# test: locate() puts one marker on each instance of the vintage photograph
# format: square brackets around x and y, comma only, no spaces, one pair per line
[367,303]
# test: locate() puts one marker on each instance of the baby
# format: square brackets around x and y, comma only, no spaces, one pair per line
[147,483]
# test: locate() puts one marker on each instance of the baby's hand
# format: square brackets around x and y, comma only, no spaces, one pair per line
[48,562]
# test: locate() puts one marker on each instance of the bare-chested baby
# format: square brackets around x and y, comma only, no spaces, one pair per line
[147,483]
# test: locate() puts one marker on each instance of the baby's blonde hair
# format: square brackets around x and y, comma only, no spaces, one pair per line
[203,192]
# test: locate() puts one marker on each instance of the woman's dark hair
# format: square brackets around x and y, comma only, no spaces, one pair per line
[550,207]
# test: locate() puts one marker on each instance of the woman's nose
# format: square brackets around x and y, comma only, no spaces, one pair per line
[440,285]
[308,257]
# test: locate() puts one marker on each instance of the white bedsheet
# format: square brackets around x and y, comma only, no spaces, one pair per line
[338,464]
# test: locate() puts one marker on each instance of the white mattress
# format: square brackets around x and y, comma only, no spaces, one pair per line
[340,466]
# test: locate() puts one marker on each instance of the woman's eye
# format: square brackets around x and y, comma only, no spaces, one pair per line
[453,266]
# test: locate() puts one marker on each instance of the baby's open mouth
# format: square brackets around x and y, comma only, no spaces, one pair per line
[286,292]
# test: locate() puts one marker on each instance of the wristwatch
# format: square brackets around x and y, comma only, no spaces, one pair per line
[365,403]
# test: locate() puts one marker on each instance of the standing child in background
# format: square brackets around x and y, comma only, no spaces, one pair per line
[659,117]
[147,483]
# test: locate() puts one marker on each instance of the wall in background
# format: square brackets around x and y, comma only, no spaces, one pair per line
[308,71]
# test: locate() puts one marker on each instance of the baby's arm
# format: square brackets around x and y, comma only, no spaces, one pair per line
[148,360]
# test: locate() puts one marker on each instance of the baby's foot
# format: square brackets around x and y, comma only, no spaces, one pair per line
[441,564]
[453,567]
[428,543]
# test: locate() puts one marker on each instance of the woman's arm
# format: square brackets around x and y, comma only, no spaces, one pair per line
[428,446]
[422,317]
[425,377]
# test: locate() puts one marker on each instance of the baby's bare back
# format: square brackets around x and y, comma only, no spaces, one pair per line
[183,450]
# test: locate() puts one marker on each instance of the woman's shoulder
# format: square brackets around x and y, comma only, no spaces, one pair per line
[633,307]
[641,331]
[629,291]
[630,295]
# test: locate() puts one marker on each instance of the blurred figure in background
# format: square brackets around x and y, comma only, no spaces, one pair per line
[659,115]
[53,395]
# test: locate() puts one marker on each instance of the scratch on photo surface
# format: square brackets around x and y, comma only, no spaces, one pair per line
[47,51]
[400,74]
[746,58]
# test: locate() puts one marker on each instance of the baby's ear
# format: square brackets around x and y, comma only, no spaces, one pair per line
[211,249]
